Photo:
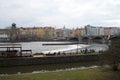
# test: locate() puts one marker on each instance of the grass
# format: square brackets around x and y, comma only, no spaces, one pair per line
[86,74]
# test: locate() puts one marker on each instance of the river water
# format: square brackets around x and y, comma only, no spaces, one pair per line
[38,47]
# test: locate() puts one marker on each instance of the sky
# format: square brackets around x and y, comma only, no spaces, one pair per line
[57,13]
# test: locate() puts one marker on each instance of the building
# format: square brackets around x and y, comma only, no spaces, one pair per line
[79,32]
[4,35]
[107,31]
[40,33]
[14,34]
[101,31]
[67,33]
[28,33]
[59,34]
[37,33]
[49,33]
[91,30]
[113,31]
[63,33]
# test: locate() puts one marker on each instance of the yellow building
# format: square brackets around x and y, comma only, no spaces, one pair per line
[49,33]
[79,32]
[40,33]
[45,33]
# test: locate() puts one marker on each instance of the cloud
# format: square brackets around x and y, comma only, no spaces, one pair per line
[72,13]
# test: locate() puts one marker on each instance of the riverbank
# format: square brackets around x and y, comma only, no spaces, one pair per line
[26,61]
[46,67]
[86,74]
[18,41]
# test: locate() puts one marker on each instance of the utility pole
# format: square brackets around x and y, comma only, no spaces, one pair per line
[78,43]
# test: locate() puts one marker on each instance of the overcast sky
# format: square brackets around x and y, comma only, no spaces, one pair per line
[57,13]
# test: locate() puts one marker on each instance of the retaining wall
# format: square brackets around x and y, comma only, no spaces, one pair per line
[24,61]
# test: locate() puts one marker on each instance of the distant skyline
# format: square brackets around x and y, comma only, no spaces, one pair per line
[57,13]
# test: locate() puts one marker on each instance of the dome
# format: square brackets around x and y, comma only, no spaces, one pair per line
[13,24]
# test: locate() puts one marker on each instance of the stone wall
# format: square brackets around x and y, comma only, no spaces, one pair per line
[24,61]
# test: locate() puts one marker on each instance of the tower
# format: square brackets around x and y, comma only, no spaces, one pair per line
[13,32]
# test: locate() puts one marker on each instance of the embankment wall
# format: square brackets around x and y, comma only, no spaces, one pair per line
[25,61]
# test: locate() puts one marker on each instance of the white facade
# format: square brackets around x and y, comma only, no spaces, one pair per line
[101,31]
[114,31]
[82,32]
[91,30]
[4,34]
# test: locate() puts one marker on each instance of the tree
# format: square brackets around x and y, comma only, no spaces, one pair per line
[112,55]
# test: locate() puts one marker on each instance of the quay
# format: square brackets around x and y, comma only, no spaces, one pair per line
[69,43]
[26,61]
[13,50]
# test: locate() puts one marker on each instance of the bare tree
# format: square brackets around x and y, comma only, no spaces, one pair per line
[112,55]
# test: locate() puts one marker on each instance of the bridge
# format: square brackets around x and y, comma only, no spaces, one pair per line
[97,39]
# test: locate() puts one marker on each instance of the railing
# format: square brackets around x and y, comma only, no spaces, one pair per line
[10,46]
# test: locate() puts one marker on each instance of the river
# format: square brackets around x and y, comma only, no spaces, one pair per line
[38,47]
